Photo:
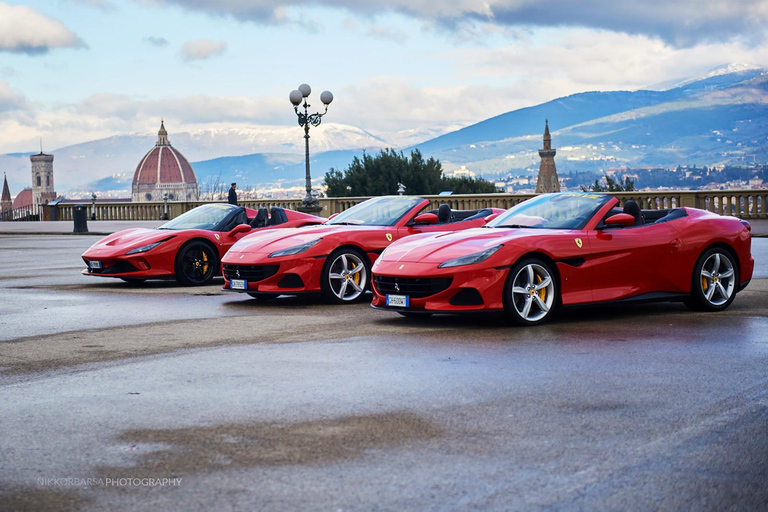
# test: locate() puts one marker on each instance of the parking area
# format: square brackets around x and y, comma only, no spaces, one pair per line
[293,404]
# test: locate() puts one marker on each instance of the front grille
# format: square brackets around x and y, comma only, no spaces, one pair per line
[121,267]
[251,273]
[415,287]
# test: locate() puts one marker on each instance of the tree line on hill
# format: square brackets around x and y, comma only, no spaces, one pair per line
[380,174]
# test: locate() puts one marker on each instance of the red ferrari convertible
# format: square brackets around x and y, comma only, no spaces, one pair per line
[335,258]
[188,248]
[566,249]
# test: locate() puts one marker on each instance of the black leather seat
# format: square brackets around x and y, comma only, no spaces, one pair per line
[444,214]
[260,221]
[633,209]
[277,216]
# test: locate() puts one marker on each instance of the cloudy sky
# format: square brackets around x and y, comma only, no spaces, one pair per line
[78,70]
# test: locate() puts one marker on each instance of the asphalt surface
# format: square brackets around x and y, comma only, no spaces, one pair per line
[111,393]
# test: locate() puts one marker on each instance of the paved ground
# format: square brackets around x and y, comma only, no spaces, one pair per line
[293,404]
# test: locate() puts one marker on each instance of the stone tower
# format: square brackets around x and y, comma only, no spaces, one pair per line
[6,205]
[42,179]
[547,181]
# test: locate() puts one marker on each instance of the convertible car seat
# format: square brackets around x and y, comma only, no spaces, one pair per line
[444,214]
[260,221]
[633,209]
[277,216]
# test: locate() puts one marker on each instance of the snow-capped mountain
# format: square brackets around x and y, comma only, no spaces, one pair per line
[91,161]
[726,69]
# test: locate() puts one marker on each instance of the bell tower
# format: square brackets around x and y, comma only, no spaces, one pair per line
[548,181]
[42,178]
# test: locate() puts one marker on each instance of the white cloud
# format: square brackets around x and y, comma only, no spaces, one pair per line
[24,30]
[10,100]
[388,33]
[156,41]
[681,23]
[202,49]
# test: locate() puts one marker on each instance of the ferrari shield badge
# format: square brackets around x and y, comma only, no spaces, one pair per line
[389,237]
[217,236]
[578,242]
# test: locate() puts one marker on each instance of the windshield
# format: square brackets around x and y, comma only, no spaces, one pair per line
[380,211]
[567,210]
[207,216]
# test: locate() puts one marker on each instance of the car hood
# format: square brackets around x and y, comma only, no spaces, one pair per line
[441,247]
[131,238]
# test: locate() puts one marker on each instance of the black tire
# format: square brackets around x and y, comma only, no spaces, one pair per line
[196,264]
[133,280]
[714,282]
[413,314]
[531,292]
[346,276]
[264,296]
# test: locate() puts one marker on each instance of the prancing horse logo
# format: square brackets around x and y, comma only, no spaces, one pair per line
[397,288]
[237,273]
[579,242]
[389,237]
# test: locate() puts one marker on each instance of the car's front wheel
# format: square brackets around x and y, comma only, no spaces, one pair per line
[715,281]
[196,264]
[530,293]
[346,276]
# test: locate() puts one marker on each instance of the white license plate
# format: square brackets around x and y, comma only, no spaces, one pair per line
[238,284]
[94,264]
[398,301]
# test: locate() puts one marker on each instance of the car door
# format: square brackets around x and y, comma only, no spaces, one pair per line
[632,261]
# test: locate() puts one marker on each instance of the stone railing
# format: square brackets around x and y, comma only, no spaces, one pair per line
[747,204]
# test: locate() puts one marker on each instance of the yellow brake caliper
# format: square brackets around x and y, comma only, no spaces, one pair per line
[356,276]
[543,291]
[704,283]
[205,265]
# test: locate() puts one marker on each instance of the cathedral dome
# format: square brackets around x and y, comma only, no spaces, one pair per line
[164,169]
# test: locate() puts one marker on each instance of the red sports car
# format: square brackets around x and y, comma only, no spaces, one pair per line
[335,258]
[188,248]
[565,249]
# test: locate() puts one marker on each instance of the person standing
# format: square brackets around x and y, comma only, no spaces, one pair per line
[233,194]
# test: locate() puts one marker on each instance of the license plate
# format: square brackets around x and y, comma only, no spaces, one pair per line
[94,264]
[398,301]
[238,284]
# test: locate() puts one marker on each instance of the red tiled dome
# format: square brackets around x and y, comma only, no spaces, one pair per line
[24,199]
[163,164]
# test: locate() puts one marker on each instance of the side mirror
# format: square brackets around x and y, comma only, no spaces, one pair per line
[491,217]
[240,228]
[425,218]
[623,220]
[332,216]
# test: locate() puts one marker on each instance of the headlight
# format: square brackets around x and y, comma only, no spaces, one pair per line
[470,258]
[294,250]
[144,248]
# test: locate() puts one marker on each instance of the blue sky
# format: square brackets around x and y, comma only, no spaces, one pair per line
[96,68]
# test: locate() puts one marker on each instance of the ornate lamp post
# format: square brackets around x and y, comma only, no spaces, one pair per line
[165,205]
[305,120]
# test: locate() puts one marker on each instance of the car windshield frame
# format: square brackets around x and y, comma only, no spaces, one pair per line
[561,210]
[208,217]
[378,211]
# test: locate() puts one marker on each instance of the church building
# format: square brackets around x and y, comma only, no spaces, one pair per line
[164,170]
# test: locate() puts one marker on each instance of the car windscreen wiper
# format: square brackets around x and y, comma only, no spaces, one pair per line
[514,226]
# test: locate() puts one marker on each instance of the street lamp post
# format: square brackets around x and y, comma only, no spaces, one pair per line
[93,205]
[305,120]
[165,205]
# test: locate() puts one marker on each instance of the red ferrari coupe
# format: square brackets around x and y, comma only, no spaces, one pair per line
[188,248]
[335,258]
[565,249]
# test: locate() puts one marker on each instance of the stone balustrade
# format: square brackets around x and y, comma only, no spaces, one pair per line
[746,204]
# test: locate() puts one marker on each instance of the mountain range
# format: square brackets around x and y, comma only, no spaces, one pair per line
[720,117]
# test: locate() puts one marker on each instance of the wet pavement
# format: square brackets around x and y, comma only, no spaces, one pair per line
[110,393]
